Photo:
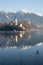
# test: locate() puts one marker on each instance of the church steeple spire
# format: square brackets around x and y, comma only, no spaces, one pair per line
[15,19]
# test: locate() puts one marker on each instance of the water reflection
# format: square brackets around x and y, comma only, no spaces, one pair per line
[12,39]
[21,48]
[20,39]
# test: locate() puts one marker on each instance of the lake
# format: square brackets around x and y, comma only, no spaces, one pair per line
[21,48]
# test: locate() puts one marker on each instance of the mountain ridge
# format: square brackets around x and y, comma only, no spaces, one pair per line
[6,17]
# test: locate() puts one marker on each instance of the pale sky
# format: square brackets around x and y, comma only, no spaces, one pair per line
[35,6]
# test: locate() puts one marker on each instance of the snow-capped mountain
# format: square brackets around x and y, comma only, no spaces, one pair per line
[21,16]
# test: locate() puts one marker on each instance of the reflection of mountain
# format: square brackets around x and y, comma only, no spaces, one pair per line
[21,39]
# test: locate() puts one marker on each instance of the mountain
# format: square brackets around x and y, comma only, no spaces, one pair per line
[28,25]
[6,17]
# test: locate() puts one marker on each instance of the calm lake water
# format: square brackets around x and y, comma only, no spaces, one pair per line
[21,48]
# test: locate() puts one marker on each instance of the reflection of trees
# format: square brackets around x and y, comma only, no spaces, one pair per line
[19,39]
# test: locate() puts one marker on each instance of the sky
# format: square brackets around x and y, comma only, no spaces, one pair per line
[35,6]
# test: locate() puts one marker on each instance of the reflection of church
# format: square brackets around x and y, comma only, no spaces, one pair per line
[21,39]
[10,40]
[17,37]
